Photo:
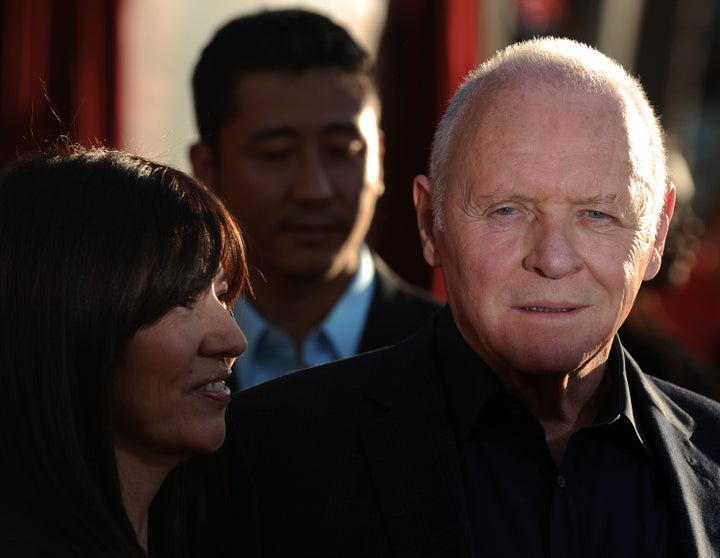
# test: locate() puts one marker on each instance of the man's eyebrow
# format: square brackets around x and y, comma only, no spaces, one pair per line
[274,132]
[498,196]
[603,199]
[599,198]
[593,199]
[349,128]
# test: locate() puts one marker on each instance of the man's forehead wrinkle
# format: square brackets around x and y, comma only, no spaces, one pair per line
[602,166]
[519,194]
[602,158]
[499,139]
[486,144]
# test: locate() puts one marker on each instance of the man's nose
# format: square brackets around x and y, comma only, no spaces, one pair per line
[311,183]
[552,252]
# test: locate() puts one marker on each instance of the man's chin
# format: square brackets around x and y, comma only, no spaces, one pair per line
[558,358]
[310,272]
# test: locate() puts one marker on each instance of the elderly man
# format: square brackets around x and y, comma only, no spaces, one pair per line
[514,423]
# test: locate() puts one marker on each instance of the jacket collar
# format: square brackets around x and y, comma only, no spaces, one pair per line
[691,479]
[413,458]
[412,454]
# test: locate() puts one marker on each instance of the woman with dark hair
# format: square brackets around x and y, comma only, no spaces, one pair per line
[116,275]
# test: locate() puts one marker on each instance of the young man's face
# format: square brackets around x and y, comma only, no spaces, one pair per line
[300,166]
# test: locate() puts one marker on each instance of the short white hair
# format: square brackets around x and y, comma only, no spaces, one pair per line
[569,63]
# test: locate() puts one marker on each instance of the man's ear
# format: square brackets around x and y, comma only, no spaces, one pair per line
[202,160]
[422,197]
[381,163]
[662,231]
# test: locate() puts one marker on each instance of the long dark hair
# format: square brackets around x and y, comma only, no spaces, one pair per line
[94,244]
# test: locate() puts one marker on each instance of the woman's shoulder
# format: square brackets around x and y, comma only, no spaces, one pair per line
[26,537]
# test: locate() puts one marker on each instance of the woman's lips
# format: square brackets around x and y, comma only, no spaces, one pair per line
[215,387]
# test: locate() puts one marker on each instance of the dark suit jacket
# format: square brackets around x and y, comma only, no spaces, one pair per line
[397,310]
[358,458]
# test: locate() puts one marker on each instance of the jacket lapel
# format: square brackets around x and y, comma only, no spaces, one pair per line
[692,480]
[413,460]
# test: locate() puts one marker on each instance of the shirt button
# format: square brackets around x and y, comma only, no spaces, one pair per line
[561,481]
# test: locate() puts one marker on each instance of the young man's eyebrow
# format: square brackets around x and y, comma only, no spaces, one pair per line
[275,132]
[349,128]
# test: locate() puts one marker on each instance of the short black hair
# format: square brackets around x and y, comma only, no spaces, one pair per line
[295,40]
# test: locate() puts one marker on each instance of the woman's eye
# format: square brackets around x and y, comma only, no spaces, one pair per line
[221,293]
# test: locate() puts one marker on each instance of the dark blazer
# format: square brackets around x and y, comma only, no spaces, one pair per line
[397,310]
[358,458]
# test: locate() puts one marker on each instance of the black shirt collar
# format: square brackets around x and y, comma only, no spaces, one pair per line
[470,383]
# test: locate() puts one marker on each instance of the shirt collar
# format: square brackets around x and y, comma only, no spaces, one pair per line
[470,383]
[343,326]
[468,380]
[619,403]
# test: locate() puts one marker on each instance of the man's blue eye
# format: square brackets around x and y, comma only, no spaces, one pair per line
[597,214]
[506,211]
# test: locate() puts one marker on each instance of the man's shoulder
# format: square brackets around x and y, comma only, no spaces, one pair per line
[388,374]
[700,413]
[397,309]
[690,400]
[352,372]
[695,404]
[392,287]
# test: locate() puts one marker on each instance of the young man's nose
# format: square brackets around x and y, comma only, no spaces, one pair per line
[311,182]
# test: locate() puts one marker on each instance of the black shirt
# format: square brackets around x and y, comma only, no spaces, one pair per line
[605,498]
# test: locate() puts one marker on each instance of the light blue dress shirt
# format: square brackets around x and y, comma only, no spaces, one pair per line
[271,352]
